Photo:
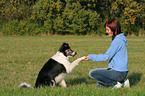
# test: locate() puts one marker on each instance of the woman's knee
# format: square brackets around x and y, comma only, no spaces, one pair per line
[96,73]
[91,73]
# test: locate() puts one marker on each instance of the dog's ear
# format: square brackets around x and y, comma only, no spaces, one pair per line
[64,47]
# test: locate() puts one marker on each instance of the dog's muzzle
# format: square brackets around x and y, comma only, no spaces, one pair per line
[74,53]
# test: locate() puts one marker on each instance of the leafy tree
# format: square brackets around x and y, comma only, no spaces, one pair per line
[69,20]
[131,11]
[45,12]
[78,17]
[76,20]
[15,9]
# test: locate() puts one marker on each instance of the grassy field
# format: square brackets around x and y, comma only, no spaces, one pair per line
[22,57]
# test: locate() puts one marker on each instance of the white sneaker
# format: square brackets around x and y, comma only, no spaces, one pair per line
[126,83]
[118,85]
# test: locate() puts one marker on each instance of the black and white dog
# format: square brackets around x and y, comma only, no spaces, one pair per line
[56,68]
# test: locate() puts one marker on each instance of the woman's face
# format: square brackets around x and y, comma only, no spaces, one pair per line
[108,30]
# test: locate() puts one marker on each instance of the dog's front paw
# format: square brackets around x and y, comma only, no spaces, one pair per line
[83,58]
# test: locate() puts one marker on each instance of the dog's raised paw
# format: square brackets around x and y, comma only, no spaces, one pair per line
[83,58]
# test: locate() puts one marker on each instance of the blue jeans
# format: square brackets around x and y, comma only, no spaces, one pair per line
[107,77]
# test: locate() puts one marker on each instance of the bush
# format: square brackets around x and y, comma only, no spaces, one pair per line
[74,17]
[76,21]
[10,27]
[21,28]
[15,10]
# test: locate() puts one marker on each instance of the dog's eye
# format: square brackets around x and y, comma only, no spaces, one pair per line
[68,49]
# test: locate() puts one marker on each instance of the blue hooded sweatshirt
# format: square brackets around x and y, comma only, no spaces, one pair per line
[116,54]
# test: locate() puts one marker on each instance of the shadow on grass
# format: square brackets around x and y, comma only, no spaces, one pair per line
[134,78]
[86,80]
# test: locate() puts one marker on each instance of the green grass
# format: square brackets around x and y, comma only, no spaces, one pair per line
[22,57]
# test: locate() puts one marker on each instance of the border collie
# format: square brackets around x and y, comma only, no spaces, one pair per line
[55,69]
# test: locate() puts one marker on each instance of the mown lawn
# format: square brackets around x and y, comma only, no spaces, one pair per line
[21,58]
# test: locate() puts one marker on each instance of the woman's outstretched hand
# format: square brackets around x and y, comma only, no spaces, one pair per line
[87,58]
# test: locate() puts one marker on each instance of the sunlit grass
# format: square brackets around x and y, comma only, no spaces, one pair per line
[22,57]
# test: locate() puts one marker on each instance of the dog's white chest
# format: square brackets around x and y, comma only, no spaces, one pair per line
[59,57]
[60,77]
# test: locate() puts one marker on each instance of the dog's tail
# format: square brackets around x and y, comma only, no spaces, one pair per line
[25,85]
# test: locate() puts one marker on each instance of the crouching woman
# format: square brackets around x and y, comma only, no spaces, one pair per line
[116,73]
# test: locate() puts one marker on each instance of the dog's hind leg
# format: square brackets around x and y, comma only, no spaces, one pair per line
[52,83]
[62,83]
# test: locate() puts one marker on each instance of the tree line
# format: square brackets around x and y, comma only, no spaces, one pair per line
[70,17]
